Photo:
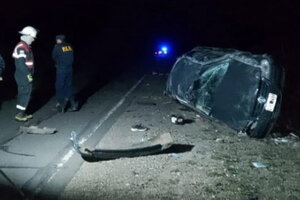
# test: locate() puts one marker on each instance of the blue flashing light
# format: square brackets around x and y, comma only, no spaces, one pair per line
[164,49]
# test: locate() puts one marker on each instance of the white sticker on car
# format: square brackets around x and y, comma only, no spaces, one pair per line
[271,102]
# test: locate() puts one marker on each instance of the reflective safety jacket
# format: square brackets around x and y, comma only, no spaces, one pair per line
[62,55]
[24,62]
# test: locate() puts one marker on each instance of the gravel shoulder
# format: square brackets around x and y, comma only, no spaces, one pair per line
[218,166]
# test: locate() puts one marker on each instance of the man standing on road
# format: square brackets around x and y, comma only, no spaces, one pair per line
[63,57]
[24,71]
[2,66]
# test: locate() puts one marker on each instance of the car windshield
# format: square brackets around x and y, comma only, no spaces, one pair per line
[204,87]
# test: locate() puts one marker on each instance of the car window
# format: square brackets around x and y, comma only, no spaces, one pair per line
[204,87]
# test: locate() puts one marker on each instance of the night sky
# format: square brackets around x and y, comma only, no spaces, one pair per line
[104,30]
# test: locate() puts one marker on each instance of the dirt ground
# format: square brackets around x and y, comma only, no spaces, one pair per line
[218,164]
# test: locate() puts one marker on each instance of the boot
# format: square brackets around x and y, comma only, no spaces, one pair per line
[74,106]
[28,116]
[60,107]
[21,117]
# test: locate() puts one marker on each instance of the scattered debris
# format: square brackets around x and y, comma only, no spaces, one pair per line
[280,140]
[294,136]
[176,120]
[259,165]
[242,134]
[180,120]
[220,140]
[175,155]
[277,135]
[139,127]
[37,130]
[154,145]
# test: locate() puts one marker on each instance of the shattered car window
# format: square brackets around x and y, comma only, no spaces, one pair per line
[205,86]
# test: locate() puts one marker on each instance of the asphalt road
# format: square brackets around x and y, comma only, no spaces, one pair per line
[43,164]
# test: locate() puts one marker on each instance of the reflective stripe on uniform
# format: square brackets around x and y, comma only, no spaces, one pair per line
[21,107]
[16,55]
[29,63]
[21,54]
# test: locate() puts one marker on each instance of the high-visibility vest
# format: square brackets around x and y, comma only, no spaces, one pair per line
[22,50]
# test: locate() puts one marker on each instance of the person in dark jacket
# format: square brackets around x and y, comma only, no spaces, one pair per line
[63,57]
[24,71]
[2,66]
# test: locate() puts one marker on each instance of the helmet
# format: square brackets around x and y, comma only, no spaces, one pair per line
[29,30]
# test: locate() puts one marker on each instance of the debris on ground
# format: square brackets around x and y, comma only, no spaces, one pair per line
[242,134]
[175,155]
[294,136]
[139,127]
[37,130]
[152,146]
[220,140]
[259,165]
[209,169]
[281,140]
[176,120]
[180,120]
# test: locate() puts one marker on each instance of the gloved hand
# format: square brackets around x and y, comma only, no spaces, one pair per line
[30,78]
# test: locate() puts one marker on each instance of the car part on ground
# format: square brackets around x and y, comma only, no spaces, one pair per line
[155,145]
[238,88]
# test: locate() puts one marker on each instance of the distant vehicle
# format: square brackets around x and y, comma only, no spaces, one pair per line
[238,88]
[163,58]
[162,52]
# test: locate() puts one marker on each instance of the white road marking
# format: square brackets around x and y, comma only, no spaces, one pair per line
[70,153]
[102,120]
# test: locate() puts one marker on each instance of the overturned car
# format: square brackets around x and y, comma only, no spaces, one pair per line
[238,88]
